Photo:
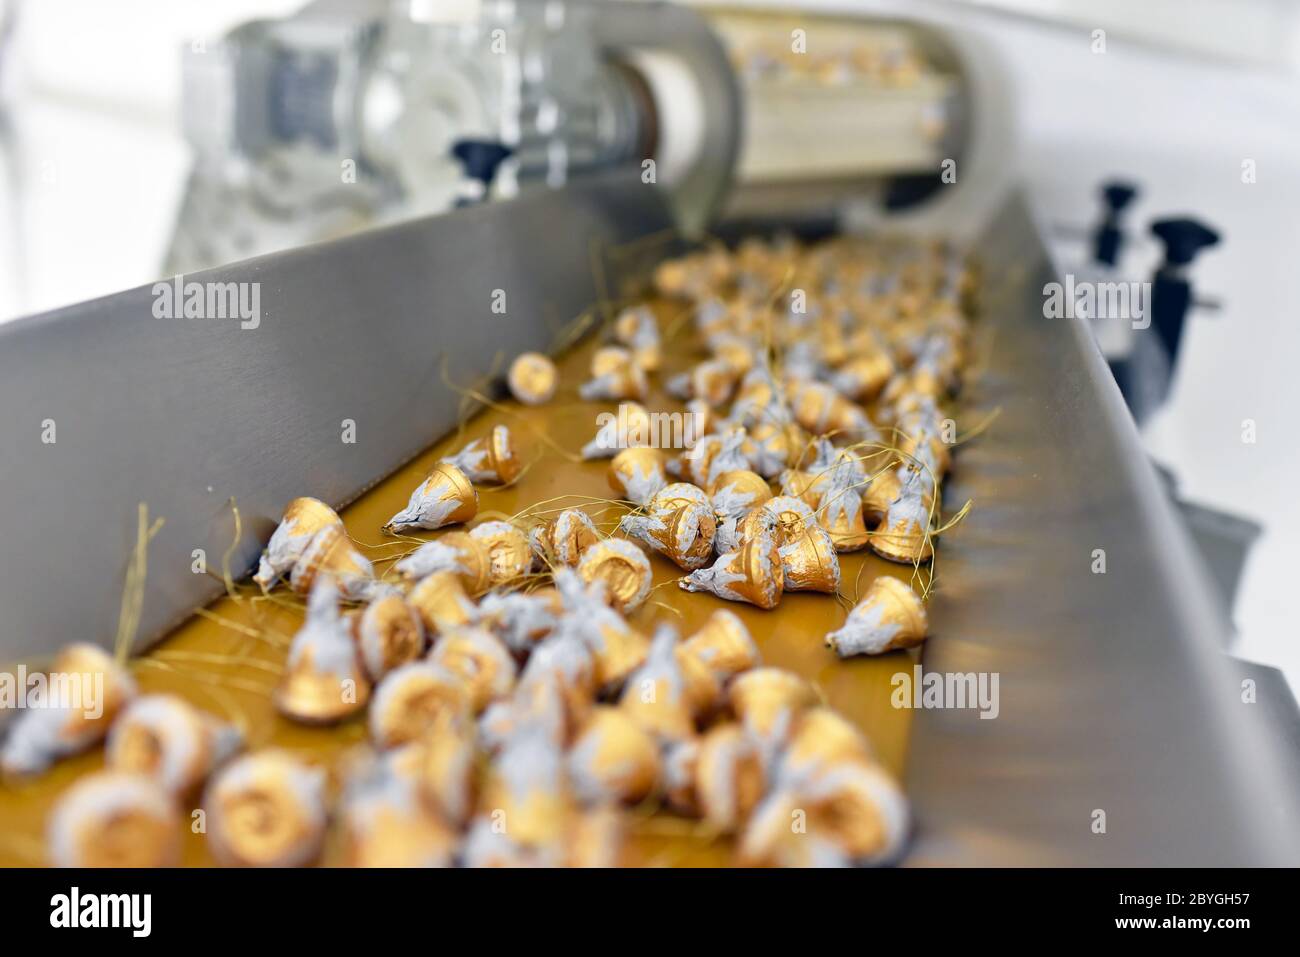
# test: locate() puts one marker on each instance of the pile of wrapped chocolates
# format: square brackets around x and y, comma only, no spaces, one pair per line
[516,712]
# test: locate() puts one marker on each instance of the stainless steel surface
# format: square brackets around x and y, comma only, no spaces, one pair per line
[184,414]
[1112,685]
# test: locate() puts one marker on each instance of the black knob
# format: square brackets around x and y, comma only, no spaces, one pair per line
[1109,238]
[1183,237]
[480,159]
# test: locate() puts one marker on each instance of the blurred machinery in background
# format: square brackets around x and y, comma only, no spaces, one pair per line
[359,112]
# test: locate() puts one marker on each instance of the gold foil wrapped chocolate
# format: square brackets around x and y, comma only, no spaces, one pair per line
[685,534]
[446,497]
[614,759]
[768,701]
[656,695]
[520,619]
[266,809]
[677,495]
[323,679]
[723,645]
[624,570]
[694,463]
[411,699]
[385,824]
[809,562]
[388,633]
[303,518]
[616,648]
[441,603]
[441,764]
[637,474]
[823,739]
[753,574]
[165,738]
[890,616]
[532,378]
[821,410]
[115,819]
[526,797]
[840,513]
[480,661]
[490,459]
[85,691]
[711,381]
[904,533]
[863,377]
[614,375]
[729,776]
[560,541]
[509,553]
[455,552]
[637,329]
[331,554]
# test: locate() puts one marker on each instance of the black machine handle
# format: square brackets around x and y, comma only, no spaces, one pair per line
[1108,240]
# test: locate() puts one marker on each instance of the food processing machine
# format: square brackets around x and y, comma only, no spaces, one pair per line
[1115,696]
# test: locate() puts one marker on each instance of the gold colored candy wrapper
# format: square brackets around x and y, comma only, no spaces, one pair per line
[790,518]
[441,603]
[455,552]
[724,646]
[266,810]
[631,427]
[165,738]
[823,739]
[840,514]
[594,839]
[656,695]
[533,378]
[694,463]
[489,459]
[442,767]
[863,377]
[410,700]
[520,619]
[388,633]
[730,457]
[114,819]
[481,662]
[735,492]
[323,680]
[526,793]
[773,445]
[637,474]
[446,497]
[303,518]
[614,375]
[821,410]
[711,381]
[889,617]
[97,691]
[560,541]
[904,533]
[768,701]
[729,776]
[624,570]
[677,495]
[331,554]
[753,574]
[385,825]
[684,534]
[809,563]
[614,759]
[555,693]
[509,553]
[637,329]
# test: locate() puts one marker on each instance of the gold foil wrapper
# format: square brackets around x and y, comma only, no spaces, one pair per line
[637,474]
[385,825]
[455,552]
[489,459]
[480,661]
[809,563]
[656,695]
[165,738]
[624,570]
[904,533]
[614,759]
[441,603]
[753,574]
[266,809]
[677,495]
[684,535]
[560,541]
[114,819]
[533,378]
[410,700]
[768,701]
[446,497]
[388,633]
[729,776]
[724,646]
[509,552]
[615,374]
[303,518]
[890,616]
[331,553]
[323,680]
